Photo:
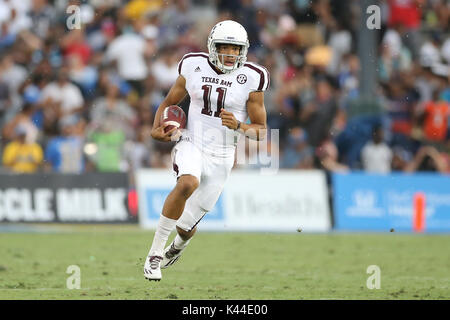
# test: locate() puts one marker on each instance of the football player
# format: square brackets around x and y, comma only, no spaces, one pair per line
[224,90]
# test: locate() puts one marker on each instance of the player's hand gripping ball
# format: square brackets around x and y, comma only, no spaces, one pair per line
[174,117]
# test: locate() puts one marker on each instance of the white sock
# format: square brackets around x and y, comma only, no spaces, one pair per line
[180,243]
[163,230]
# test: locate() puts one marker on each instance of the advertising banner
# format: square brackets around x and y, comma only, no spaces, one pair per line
[402,202]
[93,197]
[285,202]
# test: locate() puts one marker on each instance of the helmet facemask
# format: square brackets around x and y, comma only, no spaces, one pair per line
[218,58]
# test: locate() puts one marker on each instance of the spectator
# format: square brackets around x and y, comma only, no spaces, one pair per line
[407,13]
[395,56]
[74,44]
[430,51]
[376,155]
[151,35]
[62,98]
[400,158]
[436,116]
[327,157]
[165,69]
[109,142]
[247,16]
[115,109]
[24,120]
[5,100]
[13,75]
[349,79]
[135,9]
[42,15]
[425,83]
[399,108]
[14,14]
[296,91]
[84,76]
[138,152]
[298,154]
[445,50]
[177,20]
[31,94]
[128,51]
[20,156]
[318,114]
[427,159]
[64,153]
[340,42]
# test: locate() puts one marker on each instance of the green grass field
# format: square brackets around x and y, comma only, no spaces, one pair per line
[224,265]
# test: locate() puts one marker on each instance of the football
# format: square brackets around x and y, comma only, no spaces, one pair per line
[174,116]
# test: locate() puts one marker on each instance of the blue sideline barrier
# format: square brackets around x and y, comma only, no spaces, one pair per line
[369,202]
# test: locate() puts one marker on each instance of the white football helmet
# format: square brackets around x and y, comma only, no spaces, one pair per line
[229,32]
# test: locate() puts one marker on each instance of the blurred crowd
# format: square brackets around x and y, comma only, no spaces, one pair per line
[80,81]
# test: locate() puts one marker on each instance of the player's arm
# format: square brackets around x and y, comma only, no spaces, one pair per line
[256,111]
[176,94]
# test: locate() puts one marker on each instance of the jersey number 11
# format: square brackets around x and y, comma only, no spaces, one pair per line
[207,100]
